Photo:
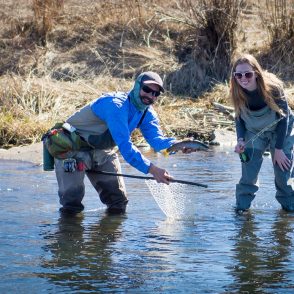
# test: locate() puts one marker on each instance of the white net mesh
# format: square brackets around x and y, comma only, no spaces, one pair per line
[177,201]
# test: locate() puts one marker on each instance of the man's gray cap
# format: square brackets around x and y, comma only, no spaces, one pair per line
[150,77]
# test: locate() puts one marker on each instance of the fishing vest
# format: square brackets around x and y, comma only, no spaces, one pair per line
[91,128]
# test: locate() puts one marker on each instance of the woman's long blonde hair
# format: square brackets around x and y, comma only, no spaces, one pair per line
[268,85]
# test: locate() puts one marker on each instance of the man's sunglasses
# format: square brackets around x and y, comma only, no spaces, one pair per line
[240,75]
[148,90]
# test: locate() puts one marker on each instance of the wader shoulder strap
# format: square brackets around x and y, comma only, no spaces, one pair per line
[141,119]
[140,122]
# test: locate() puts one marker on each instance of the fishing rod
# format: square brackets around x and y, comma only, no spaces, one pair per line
[243,156]
[150,178]
[263,130]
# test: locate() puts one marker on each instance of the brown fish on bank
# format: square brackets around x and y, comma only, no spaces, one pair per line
[187,144]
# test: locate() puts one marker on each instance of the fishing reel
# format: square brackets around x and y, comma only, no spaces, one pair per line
[244,157]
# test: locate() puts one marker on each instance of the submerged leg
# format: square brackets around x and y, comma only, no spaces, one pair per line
[71,188]
[284,190]
[247,186]
[111,189]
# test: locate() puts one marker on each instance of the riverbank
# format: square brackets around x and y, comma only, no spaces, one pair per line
[31,153]
[34,152]
[58,57]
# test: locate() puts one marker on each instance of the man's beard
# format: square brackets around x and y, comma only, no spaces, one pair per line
[146,100]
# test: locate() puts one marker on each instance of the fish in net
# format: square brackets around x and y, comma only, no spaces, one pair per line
[176,200]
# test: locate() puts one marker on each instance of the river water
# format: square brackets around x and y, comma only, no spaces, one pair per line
[144,251]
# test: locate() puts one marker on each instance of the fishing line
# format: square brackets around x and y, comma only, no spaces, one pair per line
[243,156]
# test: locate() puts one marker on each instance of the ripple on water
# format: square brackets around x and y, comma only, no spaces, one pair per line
[143,251]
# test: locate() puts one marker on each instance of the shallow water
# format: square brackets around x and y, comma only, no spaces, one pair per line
[143,251]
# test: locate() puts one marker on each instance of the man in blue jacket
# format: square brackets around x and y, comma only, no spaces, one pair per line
[105,123]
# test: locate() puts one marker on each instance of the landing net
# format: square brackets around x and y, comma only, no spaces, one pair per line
[176,200]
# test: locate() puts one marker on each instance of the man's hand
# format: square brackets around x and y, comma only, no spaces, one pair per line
[159,174]
[282,160]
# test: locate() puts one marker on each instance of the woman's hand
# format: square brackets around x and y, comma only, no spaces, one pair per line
[240,147]
[282,160]
[159,174]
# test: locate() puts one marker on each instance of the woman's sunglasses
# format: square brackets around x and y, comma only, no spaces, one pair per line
[148,90]
[240,75]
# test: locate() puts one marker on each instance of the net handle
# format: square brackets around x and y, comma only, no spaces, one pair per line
[151,178]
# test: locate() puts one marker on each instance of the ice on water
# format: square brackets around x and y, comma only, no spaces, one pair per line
[177,201]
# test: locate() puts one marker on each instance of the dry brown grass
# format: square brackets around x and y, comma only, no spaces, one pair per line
[58,55]
[45,12]
[277,54]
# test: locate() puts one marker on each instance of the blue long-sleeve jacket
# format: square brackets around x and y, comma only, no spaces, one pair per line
[121,118]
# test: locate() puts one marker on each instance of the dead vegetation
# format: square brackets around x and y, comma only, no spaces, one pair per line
[58,55]
[279,23]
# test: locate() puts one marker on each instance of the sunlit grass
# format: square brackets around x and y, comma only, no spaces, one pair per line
[56,56]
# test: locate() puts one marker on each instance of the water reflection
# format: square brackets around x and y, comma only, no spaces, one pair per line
[143,252]
[262,254]
[81,254]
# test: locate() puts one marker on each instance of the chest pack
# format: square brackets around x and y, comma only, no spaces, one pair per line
[59,141]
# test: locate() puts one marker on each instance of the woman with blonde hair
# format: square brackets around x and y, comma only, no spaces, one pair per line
[263,120]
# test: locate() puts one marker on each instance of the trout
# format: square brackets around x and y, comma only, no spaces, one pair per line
[187,144]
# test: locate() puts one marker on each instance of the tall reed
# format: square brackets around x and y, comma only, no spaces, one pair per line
[207,44]
[44,13]
[278,19]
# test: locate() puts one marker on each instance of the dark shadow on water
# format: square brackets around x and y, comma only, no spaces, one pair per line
[78,256]
[142,251]
[262,255]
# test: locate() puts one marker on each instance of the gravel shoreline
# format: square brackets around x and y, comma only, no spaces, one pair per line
[31,153]
[34,152]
